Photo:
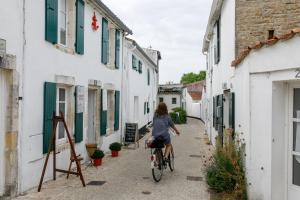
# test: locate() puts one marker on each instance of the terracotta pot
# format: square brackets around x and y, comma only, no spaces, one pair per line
[114,153]
[97,162]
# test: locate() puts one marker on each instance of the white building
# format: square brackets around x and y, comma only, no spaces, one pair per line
[259,96]
[192,98]
[55,60]
[171,95]
[140,83]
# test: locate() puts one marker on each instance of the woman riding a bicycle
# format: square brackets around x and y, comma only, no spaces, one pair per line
[161,124]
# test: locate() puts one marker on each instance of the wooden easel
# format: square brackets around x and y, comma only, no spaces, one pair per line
[55,121]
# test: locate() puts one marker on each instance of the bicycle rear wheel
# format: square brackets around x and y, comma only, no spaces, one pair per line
[157,170]
[171,160]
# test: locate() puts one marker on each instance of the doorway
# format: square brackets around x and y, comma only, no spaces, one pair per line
[294,143]
[91,136]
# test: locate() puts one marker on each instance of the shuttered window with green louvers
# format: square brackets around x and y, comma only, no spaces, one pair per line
[140,67]
[117,110]
[79,45]
[103,117]
[105,41]
[117,49]
[51,20]
[49,112]
[78,116]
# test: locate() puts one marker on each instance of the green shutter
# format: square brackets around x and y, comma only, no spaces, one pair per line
[220,118]
[78,120]
[105,41]
[145,108]
[231,111]
[140,67]
[49,110]
[51,20]
[214,112]
[117,110]
[148,76]
[117,49]
[79,45]
[148,109]
[103,118]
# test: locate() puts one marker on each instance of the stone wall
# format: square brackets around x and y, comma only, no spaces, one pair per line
[254,19]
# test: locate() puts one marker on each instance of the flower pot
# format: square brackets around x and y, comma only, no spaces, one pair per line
[114,153]
[97,162]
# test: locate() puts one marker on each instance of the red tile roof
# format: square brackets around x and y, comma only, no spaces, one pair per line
[258,45]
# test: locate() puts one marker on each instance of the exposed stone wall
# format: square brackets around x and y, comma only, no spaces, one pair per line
[254,19]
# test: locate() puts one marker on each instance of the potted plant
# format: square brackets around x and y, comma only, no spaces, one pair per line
[97,157]
[115,148]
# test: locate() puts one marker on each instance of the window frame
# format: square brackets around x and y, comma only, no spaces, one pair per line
[59,23]
[66,101]
[217,42]
[174,98]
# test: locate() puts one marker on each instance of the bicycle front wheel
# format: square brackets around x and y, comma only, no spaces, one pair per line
[157,170]
[171,160]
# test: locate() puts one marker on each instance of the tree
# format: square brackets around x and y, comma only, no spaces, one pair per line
[192,77]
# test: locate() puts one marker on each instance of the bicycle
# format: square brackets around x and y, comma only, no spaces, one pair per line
[158,164]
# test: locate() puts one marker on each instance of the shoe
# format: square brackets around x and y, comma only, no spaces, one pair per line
[166,160]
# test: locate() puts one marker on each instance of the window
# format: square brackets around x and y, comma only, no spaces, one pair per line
[161,99]
[174,100]
[62,23]
[61,106]
[134,62]
[217,47]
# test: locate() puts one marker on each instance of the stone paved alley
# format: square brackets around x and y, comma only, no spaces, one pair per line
[129,176]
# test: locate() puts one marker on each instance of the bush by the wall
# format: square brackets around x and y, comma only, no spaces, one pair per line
[225,173]
[181,119]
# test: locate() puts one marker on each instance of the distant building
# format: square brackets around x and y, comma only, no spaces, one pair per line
[192,99]
[171,95]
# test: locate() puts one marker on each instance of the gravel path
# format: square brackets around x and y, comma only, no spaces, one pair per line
[129,176]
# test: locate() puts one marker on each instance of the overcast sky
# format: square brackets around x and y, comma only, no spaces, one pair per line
[174,27]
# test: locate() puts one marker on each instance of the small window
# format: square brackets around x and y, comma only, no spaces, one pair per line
[61,106]
[271,34]
[148,77]
[161,99]
[134,62]
[62,25]
[174,100]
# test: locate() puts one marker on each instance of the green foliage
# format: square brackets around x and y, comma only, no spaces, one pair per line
[181,119]
[98,154]
[116,146]
[193,77]
[226,171]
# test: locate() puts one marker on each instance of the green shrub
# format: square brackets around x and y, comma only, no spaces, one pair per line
[116,146]
[182,116]
[98,154]
[226,171]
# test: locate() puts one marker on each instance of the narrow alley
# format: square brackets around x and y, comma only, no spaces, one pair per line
[129,176]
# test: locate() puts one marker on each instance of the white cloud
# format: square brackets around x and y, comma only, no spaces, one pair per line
[174,27]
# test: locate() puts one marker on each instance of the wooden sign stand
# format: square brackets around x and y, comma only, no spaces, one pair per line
[56,120]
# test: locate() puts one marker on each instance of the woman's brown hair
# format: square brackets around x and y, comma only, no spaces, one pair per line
[161,109]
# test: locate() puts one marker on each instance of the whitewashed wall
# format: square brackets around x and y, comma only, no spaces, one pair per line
[264,82]
[193,108]
[42,63]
